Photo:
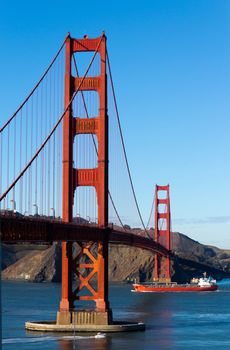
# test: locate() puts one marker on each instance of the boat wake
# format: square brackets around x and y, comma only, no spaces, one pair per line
[73,337]
[26,340]
[45,339]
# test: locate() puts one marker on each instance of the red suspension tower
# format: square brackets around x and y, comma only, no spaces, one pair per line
[162,232]
[96,177]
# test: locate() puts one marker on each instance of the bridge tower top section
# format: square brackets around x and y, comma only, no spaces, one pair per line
[73,126]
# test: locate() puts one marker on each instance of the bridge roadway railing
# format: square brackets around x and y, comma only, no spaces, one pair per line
[18,228]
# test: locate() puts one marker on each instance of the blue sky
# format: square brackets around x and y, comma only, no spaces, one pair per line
[170,62]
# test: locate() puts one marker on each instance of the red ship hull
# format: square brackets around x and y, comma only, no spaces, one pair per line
[173,288]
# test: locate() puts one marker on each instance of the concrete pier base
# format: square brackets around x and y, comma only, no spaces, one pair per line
[84,321]
[52,326]
[84,317]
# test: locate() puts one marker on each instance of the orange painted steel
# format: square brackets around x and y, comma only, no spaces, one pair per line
[98,177]
[16,228]
[67,184]
[162,233]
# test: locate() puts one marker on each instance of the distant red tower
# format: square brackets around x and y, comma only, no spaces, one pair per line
[162,232]
[97,177]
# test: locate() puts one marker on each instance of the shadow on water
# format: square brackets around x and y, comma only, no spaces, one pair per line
[158,318]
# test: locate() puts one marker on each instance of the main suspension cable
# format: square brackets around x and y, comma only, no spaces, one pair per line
[123,145]
[55,126]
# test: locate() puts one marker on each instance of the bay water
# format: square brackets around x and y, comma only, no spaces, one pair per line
[173,321]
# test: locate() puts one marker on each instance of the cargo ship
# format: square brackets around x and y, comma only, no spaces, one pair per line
[197,285]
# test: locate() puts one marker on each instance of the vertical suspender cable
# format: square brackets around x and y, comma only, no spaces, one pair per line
[26,156]
[58,143]
[15,125]
[49,143]
[42,153]
[20,163]
[53,199]
[8,161]
[36,161]
[46,210]
[54,138]
[31,153]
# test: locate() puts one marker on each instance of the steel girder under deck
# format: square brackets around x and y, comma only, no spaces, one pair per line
[16,229]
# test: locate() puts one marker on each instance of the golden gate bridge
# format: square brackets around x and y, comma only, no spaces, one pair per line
[62,155]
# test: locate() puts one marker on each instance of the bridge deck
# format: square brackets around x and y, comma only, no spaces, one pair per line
[29,229]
